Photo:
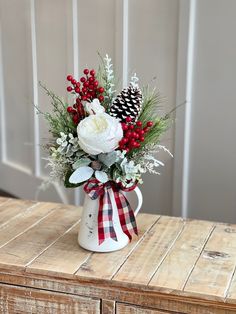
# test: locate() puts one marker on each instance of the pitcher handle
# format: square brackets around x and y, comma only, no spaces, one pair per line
[140,200]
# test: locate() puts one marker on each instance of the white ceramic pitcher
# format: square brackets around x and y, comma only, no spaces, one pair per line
[88,230]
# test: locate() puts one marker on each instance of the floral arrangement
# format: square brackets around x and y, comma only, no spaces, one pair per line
[105,140]
[103,135]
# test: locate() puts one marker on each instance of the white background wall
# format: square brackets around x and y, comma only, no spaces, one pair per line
[187,44]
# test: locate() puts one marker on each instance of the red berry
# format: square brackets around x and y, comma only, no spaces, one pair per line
[132,142]
[92,72]
[83,79]
[149,124]
[125,140]
[127,149]
[86,84]
[101,90]
[75,118]
[139,123]
[141,132]
[69,77]
[95,83]
[91,87]
[86,71]
[84,89]
[84,97]
[101,98]
[131,126]
[70,109]
[128,134]
[146,129]
[142,139]
[128,119]
[89,95]
[69,89]
[74,82]
[137,145]
[124,126]
[77,90]
[78,84]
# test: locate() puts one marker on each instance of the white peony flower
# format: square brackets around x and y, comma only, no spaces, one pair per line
[99,133]
[94,107]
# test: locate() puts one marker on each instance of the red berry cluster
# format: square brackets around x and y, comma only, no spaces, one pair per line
[87,89]
[133,134]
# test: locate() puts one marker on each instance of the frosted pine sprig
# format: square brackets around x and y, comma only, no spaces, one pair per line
[166,150]
[110,76]
[134,80]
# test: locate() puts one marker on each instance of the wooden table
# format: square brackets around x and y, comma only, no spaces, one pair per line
[174,266]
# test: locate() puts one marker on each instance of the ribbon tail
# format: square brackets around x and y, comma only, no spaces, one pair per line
[126,215]
[105,218]
[101,235]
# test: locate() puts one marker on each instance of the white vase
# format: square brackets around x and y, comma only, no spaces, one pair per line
[88,230]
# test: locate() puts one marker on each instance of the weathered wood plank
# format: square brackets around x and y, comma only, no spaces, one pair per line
[3,200]
[131,309]
[146,258]
[108,307]
[183,255]
[27,219]
[31,301]
[12,208]
[105,265]
[214,269]
[64,256]
[34,241]
[121,292]
[231,293]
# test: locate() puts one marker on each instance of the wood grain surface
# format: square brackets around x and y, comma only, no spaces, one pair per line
[17,300]
[173,266]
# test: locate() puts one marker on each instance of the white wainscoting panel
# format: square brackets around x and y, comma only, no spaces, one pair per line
[46,40]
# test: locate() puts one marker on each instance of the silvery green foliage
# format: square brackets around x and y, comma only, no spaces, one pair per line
[84,173]
[81,163]
[150,163]
[128,173]
[63,156]
[110,76]
[134,80]
[146,159]
[108,159]
[68,144]
[58,167]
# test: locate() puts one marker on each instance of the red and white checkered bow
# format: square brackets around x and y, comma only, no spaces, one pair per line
[104,191]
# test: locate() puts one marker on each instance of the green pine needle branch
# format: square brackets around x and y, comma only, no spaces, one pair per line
[59,120]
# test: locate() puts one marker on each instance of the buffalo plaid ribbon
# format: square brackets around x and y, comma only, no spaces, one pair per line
[105,191]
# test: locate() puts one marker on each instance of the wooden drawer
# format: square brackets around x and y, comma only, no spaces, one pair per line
[25,300]
[131,309]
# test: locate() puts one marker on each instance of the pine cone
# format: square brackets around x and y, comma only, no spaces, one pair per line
[127,104]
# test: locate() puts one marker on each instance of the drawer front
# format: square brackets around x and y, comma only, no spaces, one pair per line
[131,309]
[25,300]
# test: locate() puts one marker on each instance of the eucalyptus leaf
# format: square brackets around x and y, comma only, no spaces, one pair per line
[108,159]
[81,174]
[101,176]
[81,163]
[67,184]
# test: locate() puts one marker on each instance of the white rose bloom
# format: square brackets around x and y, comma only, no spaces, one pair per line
[94,107]
[99,133]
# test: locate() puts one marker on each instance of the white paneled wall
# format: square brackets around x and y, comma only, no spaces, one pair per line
[187,45]
[47,39]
